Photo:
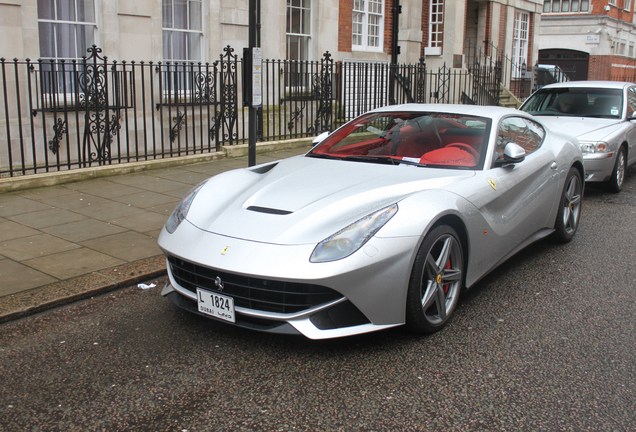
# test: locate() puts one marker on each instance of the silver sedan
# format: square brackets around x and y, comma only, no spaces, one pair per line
[382,223]
[601,115]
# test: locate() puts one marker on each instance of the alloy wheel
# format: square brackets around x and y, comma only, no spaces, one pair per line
[572,204]
[442,279]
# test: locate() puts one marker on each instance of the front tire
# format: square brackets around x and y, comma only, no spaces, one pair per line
[436,281]
[615,183]
[567,221]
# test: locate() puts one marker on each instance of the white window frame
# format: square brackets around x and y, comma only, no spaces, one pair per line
[368,25]
[435,28]
[193,28]
[627,5]
[57,23]
[302,9]
[68,90]
[566,6]
[520,39]
[188,30]
[298,30]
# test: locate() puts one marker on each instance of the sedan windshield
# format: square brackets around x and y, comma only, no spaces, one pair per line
[577,102]
[424,139]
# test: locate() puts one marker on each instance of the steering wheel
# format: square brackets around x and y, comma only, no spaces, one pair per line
[466,147]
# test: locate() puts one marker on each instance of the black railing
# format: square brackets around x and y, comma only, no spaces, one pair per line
[58,115]
[494,72]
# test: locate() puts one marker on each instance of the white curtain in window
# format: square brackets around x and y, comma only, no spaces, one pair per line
[182,30]
[66,27]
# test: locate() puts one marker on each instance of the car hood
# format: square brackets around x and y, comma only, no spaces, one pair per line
[303,200]
[584,128]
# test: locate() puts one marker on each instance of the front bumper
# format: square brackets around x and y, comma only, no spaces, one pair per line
[313,324]
[369,287]
[598,166]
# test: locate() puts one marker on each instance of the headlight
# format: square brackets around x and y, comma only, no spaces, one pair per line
[180,213]
[350,239]
[594,147]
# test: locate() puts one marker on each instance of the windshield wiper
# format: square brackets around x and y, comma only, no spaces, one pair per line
[323,156]
[382,160]
[607,116]
[367,158]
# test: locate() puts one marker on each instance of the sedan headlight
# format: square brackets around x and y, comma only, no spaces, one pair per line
[594,147]
[350,239]
[180,213]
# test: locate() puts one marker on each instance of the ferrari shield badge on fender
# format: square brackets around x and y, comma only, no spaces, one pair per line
[492,184]
[225,250]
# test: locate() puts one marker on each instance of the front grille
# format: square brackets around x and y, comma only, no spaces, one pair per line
[249,292]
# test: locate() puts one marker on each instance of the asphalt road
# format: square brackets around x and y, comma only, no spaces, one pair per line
[545,343]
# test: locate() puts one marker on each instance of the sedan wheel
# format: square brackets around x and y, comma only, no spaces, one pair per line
[436,281]
[567,221]
[615,183]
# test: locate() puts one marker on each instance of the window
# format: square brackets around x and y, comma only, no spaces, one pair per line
[520,43]
[182,30]
[560,6]
[298,29]
[368,25]
[66,31]
[298,76]
[435,27]
[627,5]
[66,27]
[182,44]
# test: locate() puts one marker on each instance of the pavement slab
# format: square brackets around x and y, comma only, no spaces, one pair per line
[17,277]
[68,264]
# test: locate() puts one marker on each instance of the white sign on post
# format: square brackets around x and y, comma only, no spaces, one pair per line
[257,77]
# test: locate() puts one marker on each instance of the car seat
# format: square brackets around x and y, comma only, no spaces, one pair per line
[417,137]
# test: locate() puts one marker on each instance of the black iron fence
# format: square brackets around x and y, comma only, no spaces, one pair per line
[494,71]
[58,115]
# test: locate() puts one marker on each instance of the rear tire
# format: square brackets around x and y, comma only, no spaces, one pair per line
[568,216]
[436,281]
[615,183]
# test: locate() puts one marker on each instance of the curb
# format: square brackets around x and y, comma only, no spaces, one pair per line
[60,293]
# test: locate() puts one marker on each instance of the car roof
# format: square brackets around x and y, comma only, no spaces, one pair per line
[590,84]
[490,111]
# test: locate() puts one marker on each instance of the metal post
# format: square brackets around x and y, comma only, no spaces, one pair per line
[395,49]
[254,41]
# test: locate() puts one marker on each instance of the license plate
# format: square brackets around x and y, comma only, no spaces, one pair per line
[216,305]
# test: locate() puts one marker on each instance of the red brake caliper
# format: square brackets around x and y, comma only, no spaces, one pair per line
[446,286]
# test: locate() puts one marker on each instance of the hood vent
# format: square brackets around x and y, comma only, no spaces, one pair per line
[262,169]
[268,210]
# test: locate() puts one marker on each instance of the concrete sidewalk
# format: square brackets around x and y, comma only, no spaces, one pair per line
[71,240]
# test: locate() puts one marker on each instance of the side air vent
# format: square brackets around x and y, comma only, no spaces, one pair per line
[268,210]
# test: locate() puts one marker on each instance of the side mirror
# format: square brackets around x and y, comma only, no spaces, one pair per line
[320,138]
[513,154]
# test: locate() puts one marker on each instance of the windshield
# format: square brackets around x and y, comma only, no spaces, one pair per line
[425,139]
[577,102]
